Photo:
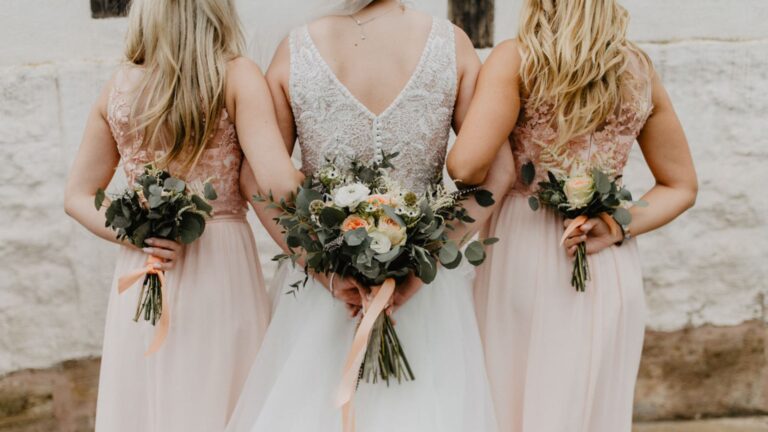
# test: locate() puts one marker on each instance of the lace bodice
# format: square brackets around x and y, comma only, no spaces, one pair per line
[332,124]
[220,162]
[534,137]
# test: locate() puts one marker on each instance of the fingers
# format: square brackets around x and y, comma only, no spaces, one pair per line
[567,223]
[165,254]
[574,240]
[163,244]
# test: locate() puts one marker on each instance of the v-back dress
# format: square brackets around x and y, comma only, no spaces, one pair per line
[559,360]
[218,306]
[297,373]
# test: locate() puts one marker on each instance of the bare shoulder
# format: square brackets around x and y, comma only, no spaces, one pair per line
[242,68]
[507,54]
[466,55]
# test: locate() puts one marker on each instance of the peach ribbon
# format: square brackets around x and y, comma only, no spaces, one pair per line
[373,306]
[127,281]
[578,221]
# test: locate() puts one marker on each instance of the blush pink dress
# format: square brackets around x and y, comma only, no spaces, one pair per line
[559,360]
[219,309]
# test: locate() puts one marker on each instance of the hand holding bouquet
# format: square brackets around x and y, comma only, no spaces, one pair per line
[580,198]
[362,223]
[156,206]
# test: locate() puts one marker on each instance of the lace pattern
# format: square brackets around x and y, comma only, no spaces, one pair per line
[220,162]
[333,124]
[608,149]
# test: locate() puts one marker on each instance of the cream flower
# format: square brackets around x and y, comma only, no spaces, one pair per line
[392,229]
[579,190]
[351,196]
[380,242]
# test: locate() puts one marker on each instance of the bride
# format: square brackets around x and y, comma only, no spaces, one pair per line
[373,77]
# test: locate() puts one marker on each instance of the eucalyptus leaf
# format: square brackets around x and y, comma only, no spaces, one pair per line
[475,253]
[455,263]
[534,203]
[528,173]
[191,227]
[201,204]
[174,184]
[209,192]
[448,253]
[389,256]
[622,216]
[602,182]
[490,241]
[332,217]
[355,237]
[99,199]
[484,198]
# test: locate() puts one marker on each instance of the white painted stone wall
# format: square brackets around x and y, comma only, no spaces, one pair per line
[707,268]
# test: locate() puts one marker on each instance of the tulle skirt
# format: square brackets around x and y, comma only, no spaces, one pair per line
[295,378]
[558,360]
[219,311]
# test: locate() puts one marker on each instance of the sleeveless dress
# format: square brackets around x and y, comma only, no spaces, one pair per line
[219,308]
[559,360]
[297,373]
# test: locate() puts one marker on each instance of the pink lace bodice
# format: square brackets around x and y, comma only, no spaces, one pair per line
[535,136]
[220,162]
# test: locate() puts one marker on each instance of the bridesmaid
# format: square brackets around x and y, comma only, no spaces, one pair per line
[570,91]
[188,101]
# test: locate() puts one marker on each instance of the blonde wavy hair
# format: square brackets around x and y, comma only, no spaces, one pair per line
[183,47]
[574,58]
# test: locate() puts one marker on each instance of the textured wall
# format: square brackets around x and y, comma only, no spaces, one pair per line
[707,268]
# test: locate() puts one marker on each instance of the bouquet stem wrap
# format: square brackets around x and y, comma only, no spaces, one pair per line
[127,281]
[581,265]
[381,296]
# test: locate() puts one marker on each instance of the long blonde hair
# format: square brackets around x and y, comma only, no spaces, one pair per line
[574,58]
[183,47]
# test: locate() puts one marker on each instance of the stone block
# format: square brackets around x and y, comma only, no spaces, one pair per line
[704,372]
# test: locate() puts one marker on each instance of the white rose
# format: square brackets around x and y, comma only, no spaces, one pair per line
[380,242]
[351,195]
[579,190]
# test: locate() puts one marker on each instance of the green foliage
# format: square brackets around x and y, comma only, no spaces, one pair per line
[158,206]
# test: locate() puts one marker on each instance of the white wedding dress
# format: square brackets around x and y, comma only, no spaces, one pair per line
[295,377]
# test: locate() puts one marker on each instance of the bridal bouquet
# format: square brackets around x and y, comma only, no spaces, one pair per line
[362,223]
[579,198]
[156,206]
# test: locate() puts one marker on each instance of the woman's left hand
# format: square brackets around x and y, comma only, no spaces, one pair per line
[595,232]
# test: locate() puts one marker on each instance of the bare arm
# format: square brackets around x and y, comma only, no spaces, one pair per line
[93,169]
[260,138]
[473,123]
[666,151]
[491,117]
[279,138]
[94,166]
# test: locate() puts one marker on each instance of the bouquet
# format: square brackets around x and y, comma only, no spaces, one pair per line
[362,223]
[156,206]
[579,198]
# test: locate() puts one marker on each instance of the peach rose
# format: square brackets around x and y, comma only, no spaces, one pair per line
[354,222]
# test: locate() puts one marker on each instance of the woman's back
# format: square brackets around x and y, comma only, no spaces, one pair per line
[220,161]
[393,91]
[535,139]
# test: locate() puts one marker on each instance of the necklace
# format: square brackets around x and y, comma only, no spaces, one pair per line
[362,23]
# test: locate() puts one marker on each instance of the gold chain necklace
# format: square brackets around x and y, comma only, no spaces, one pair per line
[362,23]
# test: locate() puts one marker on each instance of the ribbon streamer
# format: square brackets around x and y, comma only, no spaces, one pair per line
[382,296]
[578,221]
[127,281]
